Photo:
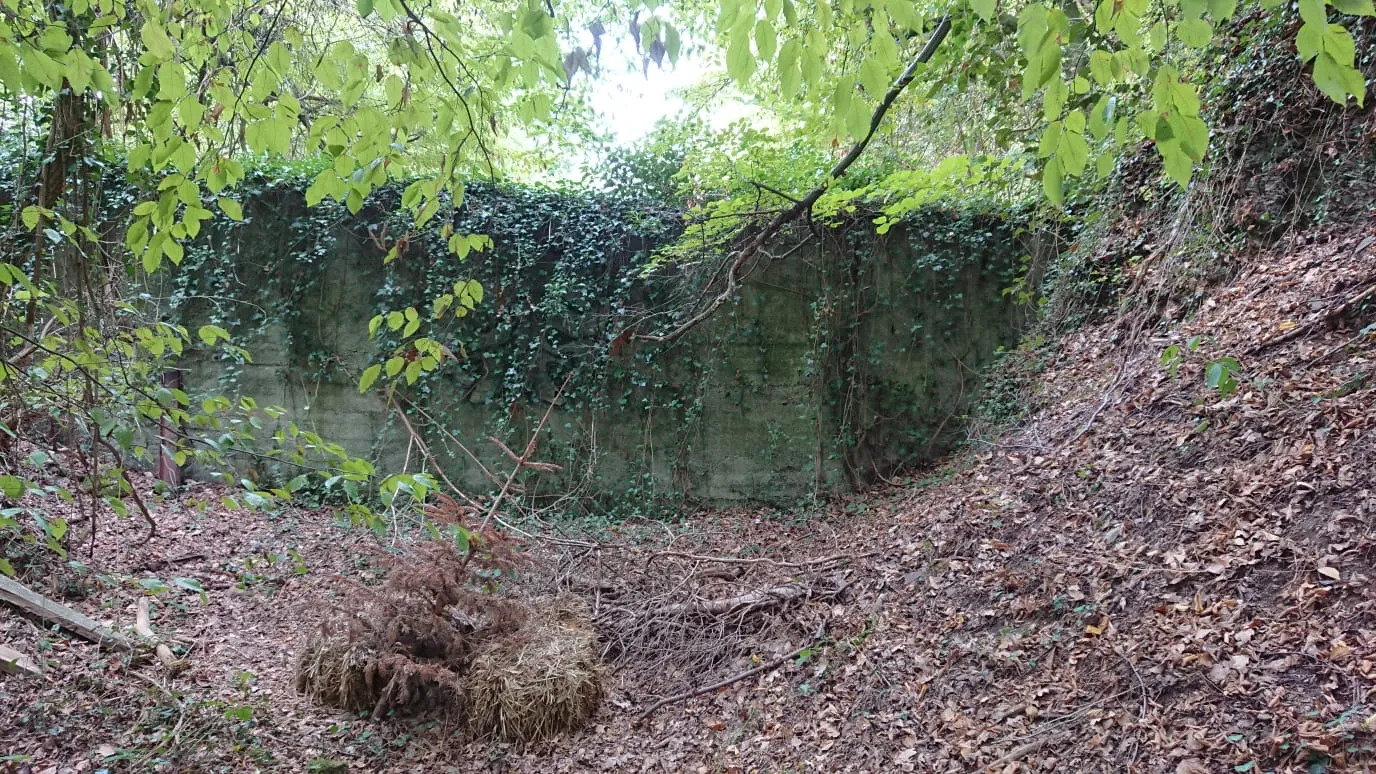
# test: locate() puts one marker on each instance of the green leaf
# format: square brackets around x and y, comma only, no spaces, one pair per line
[740,63]
[1223,10]
[474,290]
[1101,67]
[1355,7]
[1219,375]
[1178,165]
[1074,152]
[1309,40]
[212,333]
[985,8]
[1052,182]
[874,77]
[156,41]
[1338,81]
[1312,11]
[230,208]
[365,8]
[1338,42]
[1195,33]
[153,584]
[370,375]
[1193,134]
[766,40]
[12,487]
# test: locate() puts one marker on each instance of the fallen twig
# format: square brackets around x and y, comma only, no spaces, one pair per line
[759,670]
[750,600]
[758,560]
[524,460]
[1018,753]
[144,627]
[153,565]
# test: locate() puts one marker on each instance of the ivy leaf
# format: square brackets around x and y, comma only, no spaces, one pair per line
[370,375]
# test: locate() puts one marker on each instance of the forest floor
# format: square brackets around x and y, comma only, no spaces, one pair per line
[1145,575]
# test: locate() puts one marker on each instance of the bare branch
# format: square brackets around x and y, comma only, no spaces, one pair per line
[803,205]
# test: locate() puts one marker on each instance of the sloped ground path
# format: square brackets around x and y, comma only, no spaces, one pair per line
[1147,576]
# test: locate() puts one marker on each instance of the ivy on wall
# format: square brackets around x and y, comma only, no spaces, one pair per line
[887,323]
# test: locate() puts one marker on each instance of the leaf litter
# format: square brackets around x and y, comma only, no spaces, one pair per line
[1146,575]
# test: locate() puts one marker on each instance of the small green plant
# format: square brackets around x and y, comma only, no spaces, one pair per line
[1220,374]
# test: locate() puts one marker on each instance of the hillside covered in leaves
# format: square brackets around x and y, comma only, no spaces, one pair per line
[1147,543]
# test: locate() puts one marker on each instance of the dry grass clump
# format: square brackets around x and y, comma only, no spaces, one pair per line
[338,673]
[538,681]
[436,636]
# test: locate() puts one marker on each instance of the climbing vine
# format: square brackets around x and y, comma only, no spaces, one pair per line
[560,278]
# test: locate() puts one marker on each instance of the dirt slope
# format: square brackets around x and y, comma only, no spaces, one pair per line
[1147,576]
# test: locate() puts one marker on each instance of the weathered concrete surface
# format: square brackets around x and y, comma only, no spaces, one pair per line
[829,369]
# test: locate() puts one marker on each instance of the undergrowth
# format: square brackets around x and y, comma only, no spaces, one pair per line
[440,636]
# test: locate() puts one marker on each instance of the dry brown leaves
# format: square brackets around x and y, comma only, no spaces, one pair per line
[1183,584]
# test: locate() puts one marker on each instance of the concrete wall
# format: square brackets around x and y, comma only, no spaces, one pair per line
[833,366]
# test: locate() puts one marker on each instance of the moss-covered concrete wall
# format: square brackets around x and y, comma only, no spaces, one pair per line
[857,355]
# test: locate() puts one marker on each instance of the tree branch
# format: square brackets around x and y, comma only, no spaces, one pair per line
[804,205]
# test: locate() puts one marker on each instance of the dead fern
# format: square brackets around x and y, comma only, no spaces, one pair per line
[411,644]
